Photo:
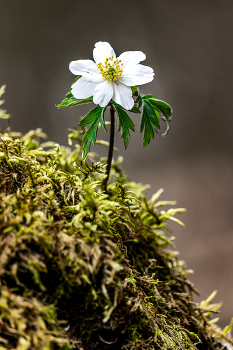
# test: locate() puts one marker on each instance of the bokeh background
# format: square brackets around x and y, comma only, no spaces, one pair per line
[189,45]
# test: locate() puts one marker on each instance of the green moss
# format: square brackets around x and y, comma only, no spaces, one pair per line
[72,255]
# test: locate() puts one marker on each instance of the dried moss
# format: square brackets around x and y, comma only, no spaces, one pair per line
[82,269]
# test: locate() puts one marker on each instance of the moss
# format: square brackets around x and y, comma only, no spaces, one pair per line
[82,269]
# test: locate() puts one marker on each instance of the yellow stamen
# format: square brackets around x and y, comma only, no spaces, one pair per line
[110,69]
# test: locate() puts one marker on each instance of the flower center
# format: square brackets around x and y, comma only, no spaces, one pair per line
[111,70]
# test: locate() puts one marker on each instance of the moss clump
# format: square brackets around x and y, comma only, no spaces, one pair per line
[82,269]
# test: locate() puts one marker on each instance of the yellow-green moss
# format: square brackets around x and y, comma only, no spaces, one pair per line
[75,257]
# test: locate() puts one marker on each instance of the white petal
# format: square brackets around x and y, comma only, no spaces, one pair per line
[132,57]
[103,50]
[123,95]
[103,93]
[82,67]
[94,77]
[83,88]
[136,75]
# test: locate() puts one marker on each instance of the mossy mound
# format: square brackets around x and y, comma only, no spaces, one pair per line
[82,269]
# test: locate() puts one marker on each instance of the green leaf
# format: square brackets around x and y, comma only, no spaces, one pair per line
[125,123]
[149,119]
[71,101]
[149,96]
[86,148]
[91,132]
[139,100]
[135,109]
[156,111]
[163,107]
[91,116]
[148,133]
[148,108]
[94,117]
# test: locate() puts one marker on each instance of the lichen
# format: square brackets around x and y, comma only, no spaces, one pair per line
[85,269]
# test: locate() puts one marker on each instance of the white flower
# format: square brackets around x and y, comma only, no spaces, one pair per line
[110,77]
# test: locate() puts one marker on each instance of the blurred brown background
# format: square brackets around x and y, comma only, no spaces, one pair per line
[189,45]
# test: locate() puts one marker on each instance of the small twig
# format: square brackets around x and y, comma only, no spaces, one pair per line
[107,342]
[111,146]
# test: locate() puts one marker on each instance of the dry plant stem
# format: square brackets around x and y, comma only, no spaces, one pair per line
[111,146]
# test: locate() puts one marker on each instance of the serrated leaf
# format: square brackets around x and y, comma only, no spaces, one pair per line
[148,134]
[91,132]
[94,117]
[91,116]
[149,119]
[163,107]
[86,148]
[151,113]
[156,112]
[135,109]
[125,123]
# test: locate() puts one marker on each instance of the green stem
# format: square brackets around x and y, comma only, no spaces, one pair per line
[111,146]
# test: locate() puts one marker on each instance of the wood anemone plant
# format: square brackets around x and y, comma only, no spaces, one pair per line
[114,82]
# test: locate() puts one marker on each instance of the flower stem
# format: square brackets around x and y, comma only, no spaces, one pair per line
[111,145]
